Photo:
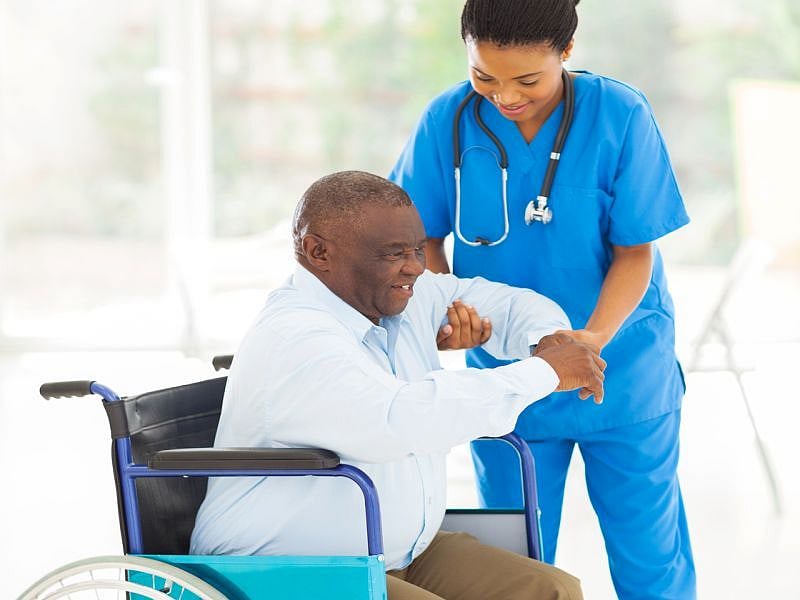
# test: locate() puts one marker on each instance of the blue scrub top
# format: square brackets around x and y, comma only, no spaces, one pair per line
[615,185]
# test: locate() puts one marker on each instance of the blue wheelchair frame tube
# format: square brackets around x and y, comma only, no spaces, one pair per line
[129,472]
[529,494]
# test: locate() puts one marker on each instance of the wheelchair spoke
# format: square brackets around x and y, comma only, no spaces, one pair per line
[96,593]
[109,577]
[62,585]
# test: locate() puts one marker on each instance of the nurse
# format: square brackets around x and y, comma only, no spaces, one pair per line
[614,193]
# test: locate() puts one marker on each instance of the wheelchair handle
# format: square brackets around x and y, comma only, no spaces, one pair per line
[66,389]
[222,361]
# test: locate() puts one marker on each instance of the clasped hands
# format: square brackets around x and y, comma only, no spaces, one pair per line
[573,355]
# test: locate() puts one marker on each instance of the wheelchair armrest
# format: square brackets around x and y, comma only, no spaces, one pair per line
[235,459]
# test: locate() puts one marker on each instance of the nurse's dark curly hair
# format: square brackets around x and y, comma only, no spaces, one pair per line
[334,204]
[520,22]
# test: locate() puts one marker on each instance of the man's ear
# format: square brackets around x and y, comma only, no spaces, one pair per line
[316,252]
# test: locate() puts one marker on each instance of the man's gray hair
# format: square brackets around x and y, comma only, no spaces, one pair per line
[341,197]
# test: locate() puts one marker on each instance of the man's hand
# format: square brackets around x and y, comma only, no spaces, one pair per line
[464,328]
[577,365]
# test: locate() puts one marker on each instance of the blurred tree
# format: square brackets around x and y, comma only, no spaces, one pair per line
[123,192]
[752,39]
[343,94]
[110,184]
[341,86]
[433,58]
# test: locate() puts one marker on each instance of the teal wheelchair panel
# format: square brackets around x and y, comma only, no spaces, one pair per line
[282,577]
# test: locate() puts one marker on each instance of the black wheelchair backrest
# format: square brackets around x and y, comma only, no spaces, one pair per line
[180,417]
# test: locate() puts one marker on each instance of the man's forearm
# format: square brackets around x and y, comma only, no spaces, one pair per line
[519,317]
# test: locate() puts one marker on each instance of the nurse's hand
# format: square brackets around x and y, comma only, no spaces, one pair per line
[584,336]
[592,339]
[464,328]
[577,365]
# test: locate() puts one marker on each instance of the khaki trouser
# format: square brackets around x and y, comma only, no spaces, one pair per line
[456,566]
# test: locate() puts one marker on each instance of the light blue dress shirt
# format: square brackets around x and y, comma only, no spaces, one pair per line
[314,372]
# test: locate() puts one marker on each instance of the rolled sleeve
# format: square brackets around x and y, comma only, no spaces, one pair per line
[520,317]
[362,413]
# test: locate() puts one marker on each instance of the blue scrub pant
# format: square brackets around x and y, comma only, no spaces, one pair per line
[633,486]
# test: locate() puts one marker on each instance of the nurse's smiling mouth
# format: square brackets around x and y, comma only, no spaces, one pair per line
[512,110]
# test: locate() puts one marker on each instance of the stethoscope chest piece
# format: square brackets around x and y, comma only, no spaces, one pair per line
[538,211]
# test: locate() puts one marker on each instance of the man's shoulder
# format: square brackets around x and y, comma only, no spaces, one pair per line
[432,293]
[429,287]
[291,312]
[443,282]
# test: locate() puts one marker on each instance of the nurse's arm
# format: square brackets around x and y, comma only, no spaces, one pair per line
[623,288]
[435,258]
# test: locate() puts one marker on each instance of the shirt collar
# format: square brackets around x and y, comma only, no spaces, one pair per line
[359,324]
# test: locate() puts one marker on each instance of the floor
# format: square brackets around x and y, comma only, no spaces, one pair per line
[58,502]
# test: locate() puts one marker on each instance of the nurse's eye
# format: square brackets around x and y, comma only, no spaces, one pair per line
[480,77]
[534,82]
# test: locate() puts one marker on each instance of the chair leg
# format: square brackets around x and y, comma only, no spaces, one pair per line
[733,368]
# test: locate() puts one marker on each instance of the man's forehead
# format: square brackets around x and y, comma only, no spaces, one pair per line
[391,226]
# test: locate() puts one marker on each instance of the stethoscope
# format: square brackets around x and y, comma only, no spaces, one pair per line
[535,211]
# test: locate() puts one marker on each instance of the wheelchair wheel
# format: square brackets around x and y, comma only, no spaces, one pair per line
[107,577]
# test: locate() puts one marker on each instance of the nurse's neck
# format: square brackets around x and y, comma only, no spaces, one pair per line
[530,127]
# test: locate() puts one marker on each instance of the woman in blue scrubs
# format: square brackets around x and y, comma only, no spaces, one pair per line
[613,195]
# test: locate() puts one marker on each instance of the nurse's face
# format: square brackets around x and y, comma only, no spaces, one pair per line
[523,82]
[374,263]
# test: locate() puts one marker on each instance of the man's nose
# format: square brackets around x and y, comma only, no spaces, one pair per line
[414,264]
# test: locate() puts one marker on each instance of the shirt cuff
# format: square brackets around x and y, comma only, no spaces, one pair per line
[532,378]
[535,335]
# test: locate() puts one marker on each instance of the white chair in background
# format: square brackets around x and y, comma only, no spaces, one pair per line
[766,128]
[750,259]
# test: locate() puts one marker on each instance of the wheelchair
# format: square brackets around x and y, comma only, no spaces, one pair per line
[162,456]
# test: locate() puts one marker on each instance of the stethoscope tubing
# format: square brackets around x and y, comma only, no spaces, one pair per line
[554,160]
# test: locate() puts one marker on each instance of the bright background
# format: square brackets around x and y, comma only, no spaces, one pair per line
[150,156]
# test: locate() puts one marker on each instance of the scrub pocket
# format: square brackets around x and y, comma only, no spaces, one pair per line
[576,237]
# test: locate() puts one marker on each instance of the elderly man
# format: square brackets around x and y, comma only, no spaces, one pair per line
[344,357]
